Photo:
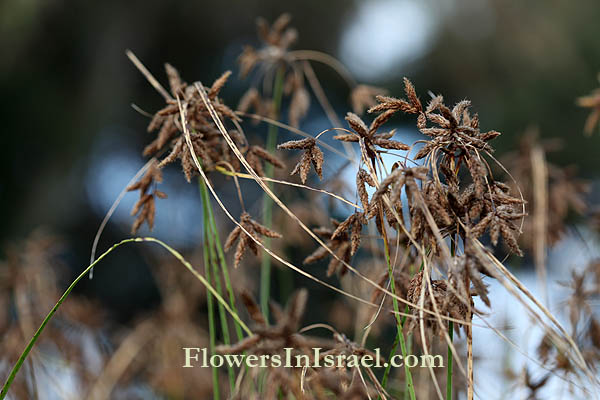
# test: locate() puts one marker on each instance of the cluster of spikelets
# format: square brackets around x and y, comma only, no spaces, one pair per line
[461,210]
[441,202]
[206,140]
[448,192]
[591,101]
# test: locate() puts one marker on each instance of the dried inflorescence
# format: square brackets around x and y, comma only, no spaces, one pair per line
[591,101]
[341,245]
[312,155]
[206,142]
[206,138]
[363,97]
[273,58]
[562,190]
[394,183]
[273,339]
[276,38]
[456,140]
[369,136]
[446,303]
[585,326]
[256,155]
[255,229]
[145,207]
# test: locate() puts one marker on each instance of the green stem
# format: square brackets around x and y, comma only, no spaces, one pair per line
[449,371]
[211,316]
[220,254]
[210,247]
[265,267]
[399,323]
[393,351]
[451,336]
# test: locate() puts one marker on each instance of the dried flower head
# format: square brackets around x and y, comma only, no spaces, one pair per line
[299,100]
[563,191]
[370,136]
[395,181]
[256,155]
[362,97]
[363,178]
[269,339]
[244,241]
[456,133]
[340,244]
[591,101]
[277,38]
[145,206]
[274,60]
[253,101]
[312,155]
[446,302]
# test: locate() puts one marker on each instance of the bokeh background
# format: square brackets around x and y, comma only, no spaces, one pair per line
[72,140]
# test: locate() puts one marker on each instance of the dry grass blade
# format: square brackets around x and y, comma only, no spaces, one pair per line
[163,92]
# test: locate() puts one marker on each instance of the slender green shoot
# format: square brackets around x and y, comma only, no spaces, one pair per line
[451,336]
[399,323]
[210,248]
[211,317]
[265,267]
[449,370]
[220,254]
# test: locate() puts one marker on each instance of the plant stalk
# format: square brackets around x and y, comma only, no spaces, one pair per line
[399,323]
[265,267]
[210,248]
[211,316]
[220,254]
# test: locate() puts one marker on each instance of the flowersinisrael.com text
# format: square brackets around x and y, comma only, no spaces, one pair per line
[200,357]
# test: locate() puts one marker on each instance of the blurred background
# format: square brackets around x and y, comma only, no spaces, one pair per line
[72,141]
